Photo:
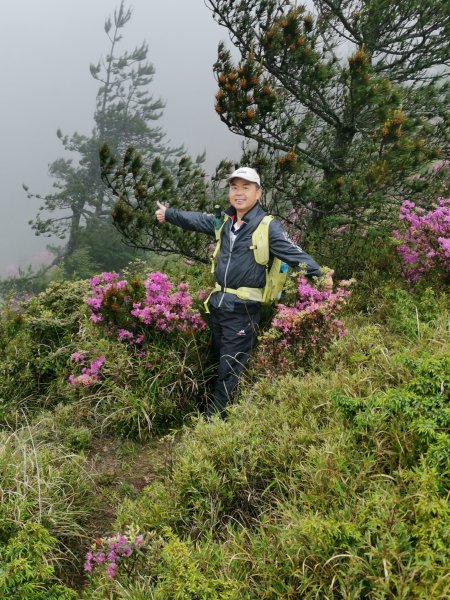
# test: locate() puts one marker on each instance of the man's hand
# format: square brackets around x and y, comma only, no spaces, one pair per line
[161,212]
[327,284]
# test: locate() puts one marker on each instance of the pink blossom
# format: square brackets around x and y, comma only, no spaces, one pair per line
[86,379]
[109,277]
[94,302]
[88,566]
[89,375]
[111,552]
[96,364]
[111,570]
[88,563]
[424,240]
[124,334]
[445,245]
[303,329]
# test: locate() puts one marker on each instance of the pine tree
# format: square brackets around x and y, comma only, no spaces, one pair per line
[79,210]
[345,106]
[138,184]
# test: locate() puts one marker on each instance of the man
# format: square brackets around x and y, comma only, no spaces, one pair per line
[235,321]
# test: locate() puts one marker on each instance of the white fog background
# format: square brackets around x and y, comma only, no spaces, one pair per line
[46,47]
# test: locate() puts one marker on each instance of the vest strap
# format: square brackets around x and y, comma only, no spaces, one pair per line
[243,293]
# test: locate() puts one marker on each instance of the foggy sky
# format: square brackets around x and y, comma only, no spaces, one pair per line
[46,48]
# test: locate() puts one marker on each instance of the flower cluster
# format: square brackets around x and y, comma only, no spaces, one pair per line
[132,310]
[165,311]
[425,240]
[108,294]
[305,329]
[110,552]
[89,374]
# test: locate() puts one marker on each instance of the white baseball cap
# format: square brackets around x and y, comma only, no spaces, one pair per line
[245,173]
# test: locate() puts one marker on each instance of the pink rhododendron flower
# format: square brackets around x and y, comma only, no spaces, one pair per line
[96,364]
[124,334]
[301,330]
[445,245]
[90,374]
[425,245]
[110,553]
[96,318]
[111,570]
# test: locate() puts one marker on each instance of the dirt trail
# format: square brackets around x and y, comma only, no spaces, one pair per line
[122,469]
[119,469]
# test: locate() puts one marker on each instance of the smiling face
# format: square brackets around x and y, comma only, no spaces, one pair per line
[243,195]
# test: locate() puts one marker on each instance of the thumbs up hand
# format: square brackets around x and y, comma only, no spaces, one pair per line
[160,213]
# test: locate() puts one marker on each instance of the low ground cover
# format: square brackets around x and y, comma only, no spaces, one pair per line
[329,479]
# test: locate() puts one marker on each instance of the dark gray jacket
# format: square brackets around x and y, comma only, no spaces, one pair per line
[236,267]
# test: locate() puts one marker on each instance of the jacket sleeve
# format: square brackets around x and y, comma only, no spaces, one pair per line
[284,248]
[191,221]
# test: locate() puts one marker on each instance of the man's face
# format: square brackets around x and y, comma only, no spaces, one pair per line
[243,195]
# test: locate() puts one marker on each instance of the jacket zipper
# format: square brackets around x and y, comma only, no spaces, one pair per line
[225,276]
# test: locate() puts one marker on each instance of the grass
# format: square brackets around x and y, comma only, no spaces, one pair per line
[331,483]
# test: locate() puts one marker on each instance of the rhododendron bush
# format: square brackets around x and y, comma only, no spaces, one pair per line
[150,339]
[138,310]
[305,329]
[424,241]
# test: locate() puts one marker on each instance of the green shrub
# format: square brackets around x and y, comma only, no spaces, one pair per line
[330,485]
[369,548]
[412,419]
[25,570]
[36,340]
[162,566]
[139,392]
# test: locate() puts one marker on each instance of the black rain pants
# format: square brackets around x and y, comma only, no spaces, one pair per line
[233,337]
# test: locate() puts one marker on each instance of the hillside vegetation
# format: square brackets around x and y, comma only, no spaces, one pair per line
[329,479]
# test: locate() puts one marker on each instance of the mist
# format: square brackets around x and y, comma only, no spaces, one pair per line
[47,47]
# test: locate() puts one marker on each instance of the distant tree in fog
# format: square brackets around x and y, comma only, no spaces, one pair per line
[79,209]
